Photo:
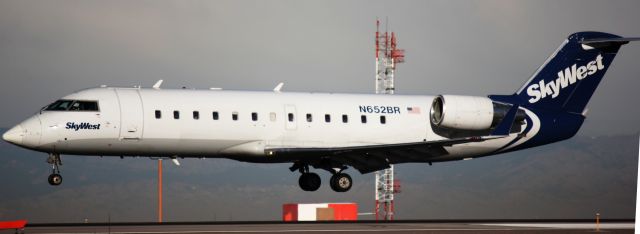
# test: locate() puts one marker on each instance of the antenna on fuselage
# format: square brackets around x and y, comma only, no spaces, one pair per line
[175,161]
[278,87]
[157,85]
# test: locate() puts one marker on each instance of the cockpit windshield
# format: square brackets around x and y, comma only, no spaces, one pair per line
[73,105]
[84,106]
[60,105]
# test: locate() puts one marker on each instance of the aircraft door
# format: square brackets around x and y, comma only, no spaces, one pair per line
[290,117]
[131,114]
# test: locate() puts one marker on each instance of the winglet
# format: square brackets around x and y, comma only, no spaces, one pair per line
[278,87]
[157,85]
[504,128]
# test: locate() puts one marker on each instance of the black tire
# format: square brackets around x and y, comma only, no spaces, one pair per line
[314,181]
[309,181]
[55,179]
[341,182]
[302,181]
[332,183]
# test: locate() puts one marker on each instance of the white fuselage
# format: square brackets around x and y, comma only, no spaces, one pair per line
[127,124]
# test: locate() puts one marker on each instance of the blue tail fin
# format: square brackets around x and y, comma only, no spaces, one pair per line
[569,77]
[558,92]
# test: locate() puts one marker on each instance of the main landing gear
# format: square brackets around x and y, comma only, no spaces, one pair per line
[309,181]
[340,182]
[55,178]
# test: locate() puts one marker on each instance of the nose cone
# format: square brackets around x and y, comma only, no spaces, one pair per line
[26,134]
[14,135]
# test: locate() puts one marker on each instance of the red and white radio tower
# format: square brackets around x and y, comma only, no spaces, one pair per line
[387,56]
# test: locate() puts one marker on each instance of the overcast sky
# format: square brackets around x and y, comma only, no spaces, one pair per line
[51,48]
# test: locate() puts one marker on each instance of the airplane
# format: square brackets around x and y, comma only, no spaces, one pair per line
[324,131]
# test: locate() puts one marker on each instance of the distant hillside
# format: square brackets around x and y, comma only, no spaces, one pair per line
[575,179]
[571,179]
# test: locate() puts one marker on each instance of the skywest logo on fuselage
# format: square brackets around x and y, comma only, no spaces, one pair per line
[565,78]
[75,126]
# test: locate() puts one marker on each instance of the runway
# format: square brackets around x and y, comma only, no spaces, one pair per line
[326,227]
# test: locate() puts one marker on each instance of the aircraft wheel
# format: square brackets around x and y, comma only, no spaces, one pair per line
[55,179]
[309,181]
[332,183]
[341,182]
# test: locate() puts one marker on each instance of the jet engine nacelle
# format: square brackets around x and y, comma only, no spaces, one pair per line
[468,112]
[462,112]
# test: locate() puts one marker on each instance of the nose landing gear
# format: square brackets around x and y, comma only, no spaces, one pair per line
[55,178]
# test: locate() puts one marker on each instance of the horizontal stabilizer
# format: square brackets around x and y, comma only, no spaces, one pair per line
[623,40]
[594,43]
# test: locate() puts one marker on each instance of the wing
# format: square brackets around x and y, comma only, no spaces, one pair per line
[370,158]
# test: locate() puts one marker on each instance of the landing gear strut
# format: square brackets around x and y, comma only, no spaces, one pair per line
[55,178]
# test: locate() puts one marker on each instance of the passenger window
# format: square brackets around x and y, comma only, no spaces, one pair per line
[327,118]
[345,118]
[254,116]
[290,116]
[215,115]
[196,115]
[158,114]
[176,114]
[272,116]
[363,118]
[383,119]
[234,116]
[309,118]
